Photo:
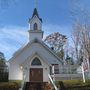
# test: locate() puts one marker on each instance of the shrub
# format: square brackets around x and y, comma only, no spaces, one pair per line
[62,87]
[17,82]
[4,77]
[8,86]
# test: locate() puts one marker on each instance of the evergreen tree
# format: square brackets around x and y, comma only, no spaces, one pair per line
[69,60]
[61,53]
[3,68]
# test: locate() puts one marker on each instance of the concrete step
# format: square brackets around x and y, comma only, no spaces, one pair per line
[37,85]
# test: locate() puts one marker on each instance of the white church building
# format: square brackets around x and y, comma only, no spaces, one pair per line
[35,61]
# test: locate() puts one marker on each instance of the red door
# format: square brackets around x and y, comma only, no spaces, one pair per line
[36,74]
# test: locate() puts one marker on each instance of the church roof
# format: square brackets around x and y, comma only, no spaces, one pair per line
[35,12]
[40,42]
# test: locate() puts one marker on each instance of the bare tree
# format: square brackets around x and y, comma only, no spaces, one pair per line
[75,38]
[81,29]
[81,39]
[85,41]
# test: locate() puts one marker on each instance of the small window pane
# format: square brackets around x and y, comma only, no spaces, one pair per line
[35,26]
[36,61]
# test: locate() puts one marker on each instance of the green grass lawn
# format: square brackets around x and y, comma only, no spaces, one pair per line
[75,84]
[69,85]
[10,85]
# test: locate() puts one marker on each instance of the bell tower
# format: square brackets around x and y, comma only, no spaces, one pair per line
[35,26]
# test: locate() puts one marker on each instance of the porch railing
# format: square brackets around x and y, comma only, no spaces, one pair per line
[51,80]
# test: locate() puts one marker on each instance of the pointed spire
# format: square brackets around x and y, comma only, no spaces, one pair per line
[35,12]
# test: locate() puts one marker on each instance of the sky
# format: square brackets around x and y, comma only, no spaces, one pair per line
[14,16]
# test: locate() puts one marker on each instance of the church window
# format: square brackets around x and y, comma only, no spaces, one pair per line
[35,26]
[36,61]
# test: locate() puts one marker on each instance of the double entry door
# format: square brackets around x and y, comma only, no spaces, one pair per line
[36,74]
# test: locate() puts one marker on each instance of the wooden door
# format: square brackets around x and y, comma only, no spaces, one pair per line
[36,75]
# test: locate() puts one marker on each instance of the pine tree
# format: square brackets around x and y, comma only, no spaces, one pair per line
[3,68]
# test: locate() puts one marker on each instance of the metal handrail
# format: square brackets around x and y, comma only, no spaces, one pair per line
[52,82]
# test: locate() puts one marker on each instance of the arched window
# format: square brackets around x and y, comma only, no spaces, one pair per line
[36,61]
[35,27]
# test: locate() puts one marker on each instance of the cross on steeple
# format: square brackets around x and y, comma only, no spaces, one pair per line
[36,3]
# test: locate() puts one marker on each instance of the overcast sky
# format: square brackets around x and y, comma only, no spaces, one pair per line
[14,15]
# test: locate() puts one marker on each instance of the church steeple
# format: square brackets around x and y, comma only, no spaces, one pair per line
[35,23]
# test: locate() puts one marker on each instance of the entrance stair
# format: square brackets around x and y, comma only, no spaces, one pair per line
[36,86]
